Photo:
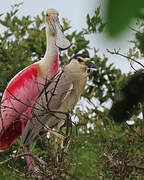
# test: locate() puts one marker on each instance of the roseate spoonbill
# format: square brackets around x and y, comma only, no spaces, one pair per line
[25,87]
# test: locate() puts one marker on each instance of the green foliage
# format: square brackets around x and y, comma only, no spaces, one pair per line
[79,43]
[139,43]
[121,13]
[98,149]
[140,38]
[95,24]
[138,48]
[113,152]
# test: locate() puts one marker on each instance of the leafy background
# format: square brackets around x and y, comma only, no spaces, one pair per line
[98,148]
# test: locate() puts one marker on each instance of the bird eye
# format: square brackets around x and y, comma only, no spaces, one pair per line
[79,60]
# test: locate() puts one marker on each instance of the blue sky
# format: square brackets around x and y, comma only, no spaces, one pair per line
[76,11]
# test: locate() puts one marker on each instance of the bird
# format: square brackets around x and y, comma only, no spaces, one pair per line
[25,87]
[58,97]
[125,102]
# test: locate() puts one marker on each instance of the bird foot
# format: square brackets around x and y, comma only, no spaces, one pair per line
[33,169]
[29,159]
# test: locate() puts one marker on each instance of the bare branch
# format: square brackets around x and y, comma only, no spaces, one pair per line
[116,52]
[24,154]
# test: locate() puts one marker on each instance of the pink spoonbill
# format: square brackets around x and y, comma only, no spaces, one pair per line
[24,88]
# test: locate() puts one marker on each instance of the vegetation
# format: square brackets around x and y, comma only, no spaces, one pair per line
[96,148]
[120,14]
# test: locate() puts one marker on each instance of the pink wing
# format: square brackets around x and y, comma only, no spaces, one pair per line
[17,100]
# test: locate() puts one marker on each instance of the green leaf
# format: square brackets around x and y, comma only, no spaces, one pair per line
[120,14]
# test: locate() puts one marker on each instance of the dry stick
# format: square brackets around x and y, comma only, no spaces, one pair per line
[24,154]
[67,124]
[50,111]
[142,107]
[22,102]
[46,93]
[118,53]
[134,166]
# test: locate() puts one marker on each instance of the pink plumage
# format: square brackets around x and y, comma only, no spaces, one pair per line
[18,98]
[25,87]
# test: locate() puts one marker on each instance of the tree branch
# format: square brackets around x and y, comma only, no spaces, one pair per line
[116,52]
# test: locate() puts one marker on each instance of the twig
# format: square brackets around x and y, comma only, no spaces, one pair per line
[24,154]
[136,167]
[127,57]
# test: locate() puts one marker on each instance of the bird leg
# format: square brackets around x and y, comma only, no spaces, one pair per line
[29,159]
[31,166]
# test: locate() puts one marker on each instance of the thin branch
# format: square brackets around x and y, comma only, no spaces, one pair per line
[127,57]
[24,154]
[136,167]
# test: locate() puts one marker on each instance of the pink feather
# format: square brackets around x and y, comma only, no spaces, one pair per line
[17,101]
